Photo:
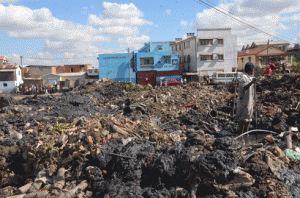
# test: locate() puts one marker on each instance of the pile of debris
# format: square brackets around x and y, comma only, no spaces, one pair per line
[119,139]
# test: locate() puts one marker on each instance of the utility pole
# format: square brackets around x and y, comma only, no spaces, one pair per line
[21,61]
[268,53]
[129,65]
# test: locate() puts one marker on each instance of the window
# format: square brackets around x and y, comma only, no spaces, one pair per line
[179,47]
[19,73]
[206,57]
[189,58]
[72,70]
[184,45]
[220,57]
[147,63]
[7,76]
[242,60]
[184,60]
[5,84]
[249,59]
[82,69]
[179,59]
[160,48]
[167,59]
[220,42]
[206,41]
[188,44]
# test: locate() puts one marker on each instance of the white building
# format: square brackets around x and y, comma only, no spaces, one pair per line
[10,77]
[212,50]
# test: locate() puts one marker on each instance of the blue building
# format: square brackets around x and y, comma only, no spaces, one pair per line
[154,56]
[116,66]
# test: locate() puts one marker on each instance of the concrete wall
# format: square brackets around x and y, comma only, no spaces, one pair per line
[245,59]
[116,66]
[228,49]
[71,68]
[158,56]
[8,86]
[187,50]
[38,71]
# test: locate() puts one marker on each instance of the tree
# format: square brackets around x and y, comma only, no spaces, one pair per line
[295,64]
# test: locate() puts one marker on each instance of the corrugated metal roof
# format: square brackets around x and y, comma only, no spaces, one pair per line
[71,74]
[9,67]
[7,70]
[254,51]
[270,43]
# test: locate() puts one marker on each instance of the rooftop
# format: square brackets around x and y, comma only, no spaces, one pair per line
[254,51]
[270,43]
[9,67]
[214,29]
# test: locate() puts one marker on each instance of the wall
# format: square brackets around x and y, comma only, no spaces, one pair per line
[16,81]
[68,68]
[228,49]
[173,65]
[38,71]
[184,52]
[241,64]
[115,66]
[10,86]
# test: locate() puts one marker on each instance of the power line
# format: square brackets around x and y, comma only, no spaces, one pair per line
[224,13]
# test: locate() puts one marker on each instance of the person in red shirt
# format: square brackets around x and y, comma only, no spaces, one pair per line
[269,70]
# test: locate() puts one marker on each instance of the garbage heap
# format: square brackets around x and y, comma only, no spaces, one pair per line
[119,139]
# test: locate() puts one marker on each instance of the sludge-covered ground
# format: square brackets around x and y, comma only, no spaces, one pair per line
[117,139]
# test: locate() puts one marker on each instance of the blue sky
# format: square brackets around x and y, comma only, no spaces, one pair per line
[72,32]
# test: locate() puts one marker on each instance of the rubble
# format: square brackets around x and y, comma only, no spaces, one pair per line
[119,139]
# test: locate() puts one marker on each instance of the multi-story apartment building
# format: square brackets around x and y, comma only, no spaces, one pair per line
[212,50]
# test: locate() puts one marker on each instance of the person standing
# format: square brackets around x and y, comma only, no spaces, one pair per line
[245,105]
[48,87]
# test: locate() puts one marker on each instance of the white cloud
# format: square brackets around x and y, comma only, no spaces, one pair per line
[119,24]
[183,23]
[168,11]
[266,15]
[8,1]
[134,42]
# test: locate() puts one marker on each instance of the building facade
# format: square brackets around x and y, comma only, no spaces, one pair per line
[10,77]
[258,44]
[69,80]
[73,68]
[264,55]
[116,66]
[146,64]
[32,74]
[216,51]
[210,51]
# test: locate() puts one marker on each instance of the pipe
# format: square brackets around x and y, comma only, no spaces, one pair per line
[255,130]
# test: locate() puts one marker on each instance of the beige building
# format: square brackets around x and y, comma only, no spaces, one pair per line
[258,44]
[259,57]
[187,55]
[210,51]
[32,74]
[65,79]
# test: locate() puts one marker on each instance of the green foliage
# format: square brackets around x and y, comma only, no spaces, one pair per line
[295,64]
[60,127]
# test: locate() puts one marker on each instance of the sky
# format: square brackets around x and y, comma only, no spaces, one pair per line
[59,32]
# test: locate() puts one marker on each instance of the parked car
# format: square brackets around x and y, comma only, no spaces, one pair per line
[171,82]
